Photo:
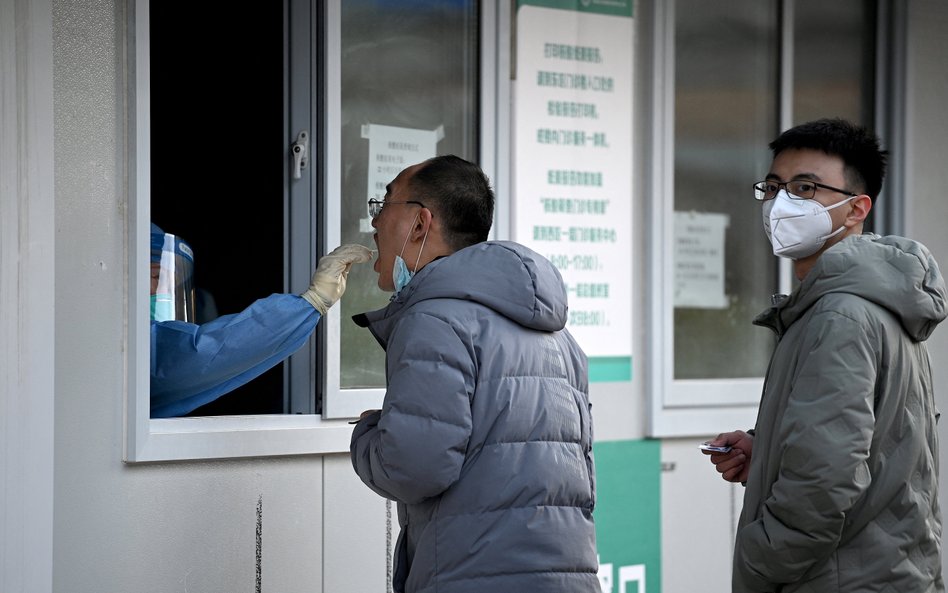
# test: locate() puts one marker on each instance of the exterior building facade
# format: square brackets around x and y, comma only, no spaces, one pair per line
[114,113]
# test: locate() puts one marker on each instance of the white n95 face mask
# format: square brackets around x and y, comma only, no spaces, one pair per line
[798,228]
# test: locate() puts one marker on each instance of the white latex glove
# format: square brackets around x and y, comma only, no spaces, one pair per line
[329,279]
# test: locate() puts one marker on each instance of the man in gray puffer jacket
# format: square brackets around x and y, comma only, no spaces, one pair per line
[485,435]
[841,471]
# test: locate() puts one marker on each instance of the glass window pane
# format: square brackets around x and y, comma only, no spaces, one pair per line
[406,64]
[725,114]
[834,60]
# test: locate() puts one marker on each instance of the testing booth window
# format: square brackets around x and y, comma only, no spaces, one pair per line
[221,100]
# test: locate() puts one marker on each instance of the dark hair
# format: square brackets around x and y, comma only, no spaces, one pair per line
[863,162]
[458,192]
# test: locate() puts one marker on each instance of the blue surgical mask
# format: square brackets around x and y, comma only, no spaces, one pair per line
[401,276]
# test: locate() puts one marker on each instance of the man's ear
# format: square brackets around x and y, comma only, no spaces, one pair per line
[861,205]
[422,224]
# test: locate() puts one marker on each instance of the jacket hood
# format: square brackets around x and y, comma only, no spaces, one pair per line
[507,277]
[893,272]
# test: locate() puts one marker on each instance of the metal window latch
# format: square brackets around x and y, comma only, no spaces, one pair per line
[300,151]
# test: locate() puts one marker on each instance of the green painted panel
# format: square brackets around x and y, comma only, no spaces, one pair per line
[612,7]
[628,515]
[604,369]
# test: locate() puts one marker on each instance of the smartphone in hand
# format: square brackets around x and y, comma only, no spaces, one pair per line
[714,448]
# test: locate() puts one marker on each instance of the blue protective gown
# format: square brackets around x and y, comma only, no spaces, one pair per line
[192,365]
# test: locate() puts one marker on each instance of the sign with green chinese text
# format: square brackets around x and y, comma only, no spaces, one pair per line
[573,164]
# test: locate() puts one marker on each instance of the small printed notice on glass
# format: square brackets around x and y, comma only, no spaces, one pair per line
[391,149]
[699,260]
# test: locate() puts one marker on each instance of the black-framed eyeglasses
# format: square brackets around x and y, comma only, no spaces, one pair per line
[375,206]
[799,189]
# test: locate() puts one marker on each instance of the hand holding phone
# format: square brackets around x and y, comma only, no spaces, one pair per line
[730,454]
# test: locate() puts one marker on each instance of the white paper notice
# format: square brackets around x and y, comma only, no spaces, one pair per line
[391,149]
[573,162]
[699,260]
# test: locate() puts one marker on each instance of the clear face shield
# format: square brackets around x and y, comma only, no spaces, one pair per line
[172,278]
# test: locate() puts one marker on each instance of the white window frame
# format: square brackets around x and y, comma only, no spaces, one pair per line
[166,439]
[679,407]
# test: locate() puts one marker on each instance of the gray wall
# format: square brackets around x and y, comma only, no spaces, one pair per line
[926,173]
[26,297]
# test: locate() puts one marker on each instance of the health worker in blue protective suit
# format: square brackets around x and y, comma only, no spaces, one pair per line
[192,364]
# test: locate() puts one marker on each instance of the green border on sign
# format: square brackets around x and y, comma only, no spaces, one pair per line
[610,7]
[606,369]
